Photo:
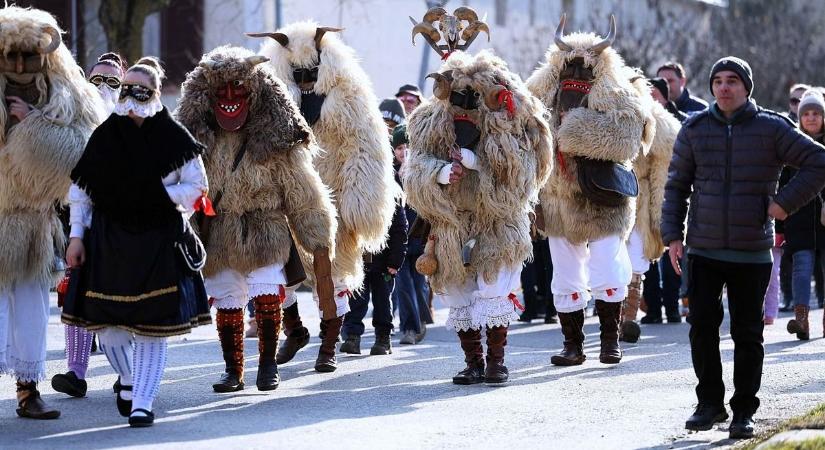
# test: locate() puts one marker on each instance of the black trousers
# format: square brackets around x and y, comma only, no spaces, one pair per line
[377,287]
[747,284]
[661,288]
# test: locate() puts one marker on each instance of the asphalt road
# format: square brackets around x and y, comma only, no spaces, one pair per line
[406,400]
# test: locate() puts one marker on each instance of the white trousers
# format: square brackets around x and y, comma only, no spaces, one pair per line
[636,252]
[24,317]
[598,269]
[479,304]
[232,289]
[342,295]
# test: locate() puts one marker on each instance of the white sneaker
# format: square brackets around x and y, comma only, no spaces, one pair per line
[408,338]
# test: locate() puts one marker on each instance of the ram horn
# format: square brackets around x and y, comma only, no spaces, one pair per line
[472,31]
[465,13]
[280,37]
[442,85]
[608,40]
[55,35]
[426,30]
[563,46]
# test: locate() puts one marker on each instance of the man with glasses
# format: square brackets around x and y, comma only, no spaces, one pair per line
[410,96]
[794,95]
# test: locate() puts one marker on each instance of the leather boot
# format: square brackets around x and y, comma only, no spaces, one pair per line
[230,333]
[31,405]
[473,356]
[268,318]
[609,314]
[571,327]
[630,330]
[382,345]
[799,324]
[326,354]
[496,372]
[297,336]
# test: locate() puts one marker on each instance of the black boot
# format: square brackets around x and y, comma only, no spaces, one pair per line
[705,416]
[609,317]
[326,353]
[230,332]
[268,318]
[496,372]
[351,345]
[297,336]
[741,427]
[571,327]
[473,356]
[382,345]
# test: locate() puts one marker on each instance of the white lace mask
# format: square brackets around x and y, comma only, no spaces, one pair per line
[109,97]
[144,110]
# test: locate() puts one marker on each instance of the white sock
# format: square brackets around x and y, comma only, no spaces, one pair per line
[117,345]
[150,360]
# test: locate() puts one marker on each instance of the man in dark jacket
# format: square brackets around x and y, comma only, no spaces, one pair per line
[727,159]
[676,78]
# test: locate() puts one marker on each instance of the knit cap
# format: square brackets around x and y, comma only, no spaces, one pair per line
[737,65]
[812,99]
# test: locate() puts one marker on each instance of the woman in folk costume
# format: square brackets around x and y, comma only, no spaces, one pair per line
[106,75]
[47,112]
[478,156]
[139,262]
[650,166]
[336,99]
[259,162]
[589,205]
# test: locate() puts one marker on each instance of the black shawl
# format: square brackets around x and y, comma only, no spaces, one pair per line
[123,165]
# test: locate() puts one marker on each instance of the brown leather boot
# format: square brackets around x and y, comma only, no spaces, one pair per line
[30,404]
[799,324]
[609,314]
[571,327]
[496,372]
[473,356]
[297,336]
[630,330]
[326,354]
[268,318]
[230,333]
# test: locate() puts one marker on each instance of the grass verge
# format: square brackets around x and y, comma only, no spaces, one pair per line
[813,419]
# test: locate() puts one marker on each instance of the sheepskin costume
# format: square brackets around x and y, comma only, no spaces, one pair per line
[356,163]
[274,188]
[37,155]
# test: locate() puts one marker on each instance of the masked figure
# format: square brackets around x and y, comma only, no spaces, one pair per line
[601,123]
[479,154]
[259,162]
[336,98]
[47,113]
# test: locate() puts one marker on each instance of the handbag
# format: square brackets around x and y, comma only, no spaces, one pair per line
[605,183]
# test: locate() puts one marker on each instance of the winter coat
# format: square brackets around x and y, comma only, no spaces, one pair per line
[803,230]
[396,249]
[688,103]
[730,172]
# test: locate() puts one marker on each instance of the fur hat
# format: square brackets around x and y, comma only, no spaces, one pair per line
[812,99]
[392,109]
[736,65]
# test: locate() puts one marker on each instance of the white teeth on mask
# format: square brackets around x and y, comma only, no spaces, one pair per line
[229,108]
[306,92]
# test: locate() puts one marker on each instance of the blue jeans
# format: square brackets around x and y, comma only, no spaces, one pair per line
[803,270]
[410,295]
[379,289]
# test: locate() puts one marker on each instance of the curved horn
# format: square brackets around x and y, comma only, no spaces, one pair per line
[427,30]
[608,40]
[254,60]
[441,85]
[321,31]
[475,28]
[491,97]
[563,46]
[465,13]
[280,37]
[55,35]
[434,14]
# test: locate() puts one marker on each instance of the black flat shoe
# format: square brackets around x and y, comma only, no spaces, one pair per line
[141,421]
[69,384]
[472,374]
[124,407]
[741,427]
[647,320]
[705,416]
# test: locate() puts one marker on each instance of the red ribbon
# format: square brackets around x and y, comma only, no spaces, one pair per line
[281,292]
[446,55]
[506,97]
[562,164]
[512,297]
[575,296]
[343,293]
[610,292]
[204,204]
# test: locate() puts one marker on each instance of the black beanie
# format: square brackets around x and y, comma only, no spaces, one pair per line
[399,136]
[392,109]
[661,85]
[738,66]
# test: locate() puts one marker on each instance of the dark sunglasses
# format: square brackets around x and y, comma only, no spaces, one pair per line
[305,75]
[794,101]
[137,92]
[112,82]
[466,99]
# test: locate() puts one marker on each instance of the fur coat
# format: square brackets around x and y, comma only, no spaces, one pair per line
[491,204]
[651,171]
[356,163]
[38,153]
[616,126]
[275,187]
